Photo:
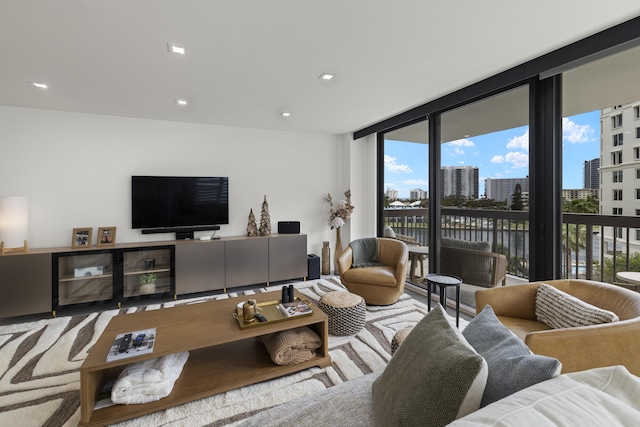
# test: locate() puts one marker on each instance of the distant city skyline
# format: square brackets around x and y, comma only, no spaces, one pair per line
[503,154]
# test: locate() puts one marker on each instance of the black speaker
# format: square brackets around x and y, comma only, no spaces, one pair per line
[288,227]
[313,267]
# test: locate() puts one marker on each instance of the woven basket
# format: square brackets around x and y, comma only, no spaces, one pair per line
[346,312]
[399,337]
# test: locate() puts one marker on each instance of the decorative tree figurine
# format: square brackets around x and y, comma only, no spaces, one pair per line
[265,219]
[252,227]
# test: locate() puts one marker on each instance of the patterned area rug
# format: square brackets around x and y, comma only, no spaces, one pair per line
[40,363]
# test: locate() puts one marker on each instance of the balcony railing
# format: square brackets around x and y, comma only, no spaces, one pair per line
[590,243]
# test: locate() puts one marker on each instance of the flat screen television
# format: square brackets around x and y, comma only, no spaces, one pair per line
[161,204]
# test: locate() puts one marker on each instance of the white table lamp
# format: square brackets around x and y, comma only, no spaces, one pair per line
[14,224]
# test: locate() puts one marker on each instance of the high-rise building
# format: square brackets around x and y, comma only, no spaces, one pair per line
[417,194]
[391,193]
[591,177]
[501,189]
[459,181]
[620,171]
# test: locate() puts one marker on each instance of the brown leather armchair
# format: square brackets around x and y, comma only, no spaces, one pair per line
[578,348]
[378,285]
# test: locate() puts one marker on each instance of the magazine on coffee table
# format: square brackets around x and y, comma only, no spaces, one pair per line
[132,344]
[295,308]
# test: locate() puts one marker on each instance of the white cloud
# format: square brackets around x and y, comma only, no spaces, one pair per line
[497,159]
[462,143]
[391,165]
[519,142]
[519,160]
[575,133]
[456,146]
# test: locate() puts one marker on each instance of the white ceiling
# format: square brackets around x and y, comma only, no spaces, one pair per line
[249,60]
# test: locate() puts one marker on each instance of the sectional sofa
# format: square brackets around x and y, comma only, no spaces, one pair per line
[484,375]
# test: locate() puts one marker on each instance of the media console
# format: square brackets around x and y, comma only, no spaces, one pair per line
[46,279]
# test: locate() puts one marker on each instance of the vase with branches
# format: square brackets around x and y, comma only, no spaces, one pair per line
[339,214]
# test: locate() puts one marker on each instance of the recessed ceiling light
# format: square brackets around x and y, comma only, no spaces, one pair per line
[285,114]
[182,102]
[326,76]
[177,49]
[39,85]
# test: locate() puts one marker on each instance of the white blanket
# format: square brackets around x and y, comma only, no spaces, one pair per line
[597,397]
[148,381]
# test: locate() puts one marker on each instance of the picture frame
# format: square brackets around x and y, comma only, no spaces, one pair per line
[106,236]
[81,237]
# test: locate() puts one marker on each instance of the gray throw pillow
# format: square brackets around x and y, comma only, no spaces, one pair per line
[433,378]
[512,367]
[466,244]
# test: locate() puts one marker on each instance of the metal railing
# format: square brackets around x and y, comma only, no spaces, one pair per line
[590,243]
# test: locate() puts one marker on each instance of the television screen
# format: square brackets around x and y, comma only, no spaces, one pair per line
[168,201]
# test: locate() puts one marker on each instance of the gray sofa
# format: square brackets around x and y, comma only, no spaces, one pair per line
[597,397]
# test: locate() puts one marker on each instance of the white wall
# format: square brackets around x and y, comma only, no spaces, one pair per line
[76,171]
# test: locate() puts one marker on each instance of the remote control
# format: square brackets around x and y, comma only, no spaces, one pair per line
[260,317]
[124,344]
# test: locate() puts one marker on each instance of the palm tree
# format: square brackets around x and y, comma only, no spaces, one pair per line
[575,238]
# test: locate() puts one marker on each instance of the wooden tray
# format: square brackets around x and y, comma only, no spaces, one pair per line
[271,312]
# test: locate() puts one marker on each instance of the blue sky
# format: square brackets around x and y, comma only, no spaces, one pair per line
[503,154]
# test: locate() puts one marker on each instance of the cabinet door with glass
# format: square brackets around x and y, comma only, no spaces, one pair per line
[83,277]
[148,271]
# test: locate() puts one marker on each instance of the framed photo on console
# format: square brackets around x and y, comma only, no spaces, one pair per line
[81,237]
[106,236]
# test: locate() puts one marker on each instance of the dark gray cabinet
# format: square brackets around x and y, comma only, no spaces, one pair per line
[247,261]
[26,284]
[233,262]
[287,257]
[200,266]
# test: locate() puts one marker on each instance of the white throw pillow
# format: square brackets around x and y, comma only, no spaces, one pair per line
[558,309]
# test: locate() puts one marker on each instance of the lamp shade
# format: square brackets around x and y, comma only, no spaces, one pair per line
[14,221]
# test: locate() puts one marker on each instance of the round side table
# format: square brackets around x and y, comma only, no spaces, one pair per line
[444,281]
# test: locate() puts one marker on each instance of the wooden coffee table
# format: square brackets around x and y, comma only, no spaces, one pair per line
[223,356]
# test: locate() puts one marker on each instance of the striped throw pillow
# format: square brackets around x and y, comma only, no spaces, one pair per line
[558,309]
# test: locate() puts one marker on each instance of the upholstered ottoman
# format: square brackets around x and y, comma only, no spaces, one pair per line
[346,312]
[399,337]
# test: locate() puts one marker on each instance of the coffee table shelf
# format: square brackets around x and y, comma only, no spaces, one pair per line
[222,357]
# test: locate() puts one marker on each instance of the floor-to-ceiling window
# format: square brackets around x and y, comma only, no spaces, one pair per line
[484,175]
[406,183]
[601,167]
[557,83]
